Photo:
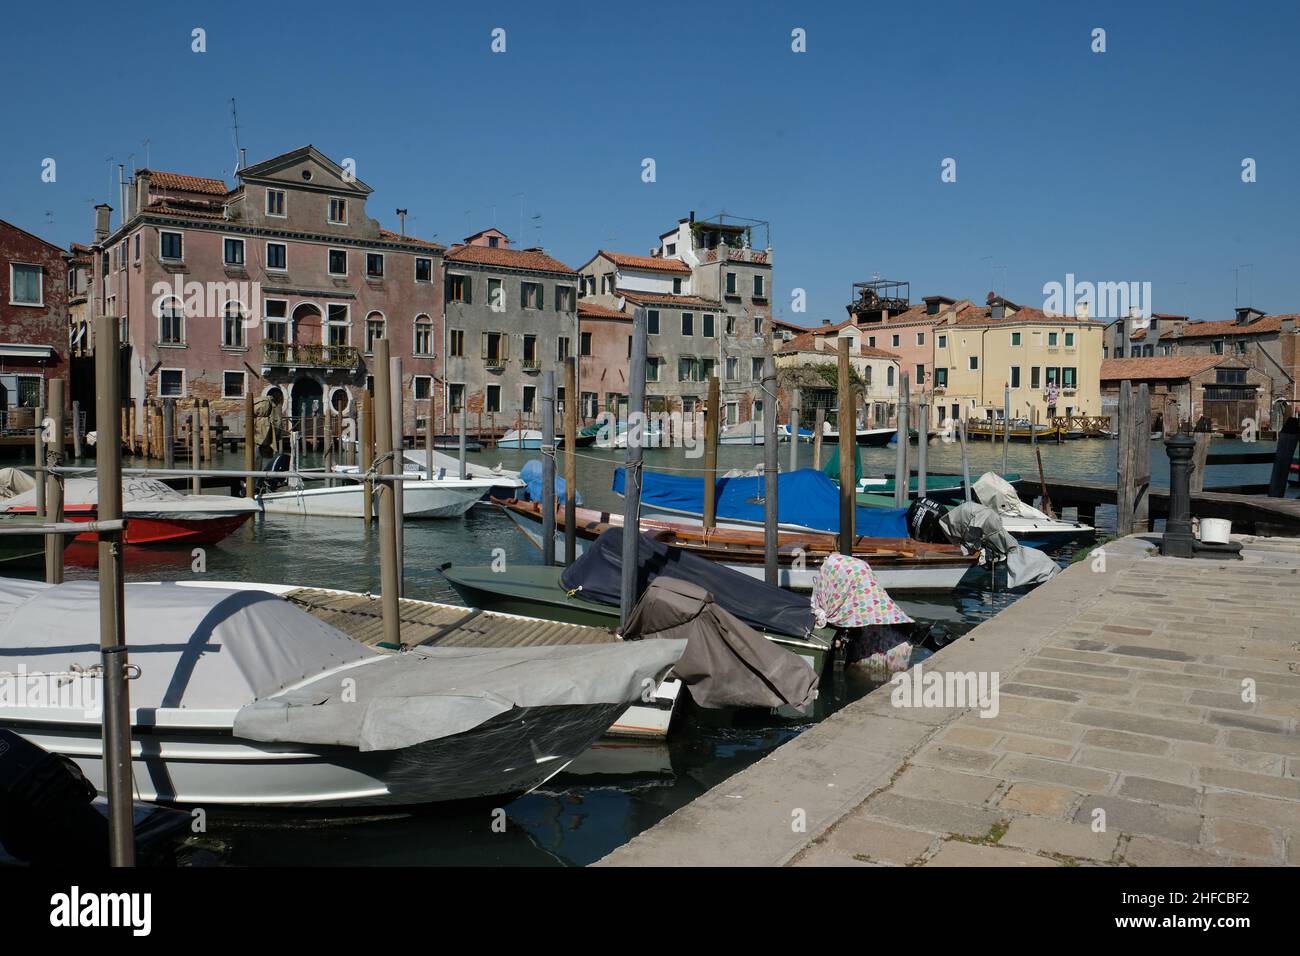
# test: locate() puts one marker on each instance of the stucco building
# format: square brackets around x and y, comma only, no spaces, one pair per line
[809,361]
[510,315]
[33,321]
[1227,390]
[279,285]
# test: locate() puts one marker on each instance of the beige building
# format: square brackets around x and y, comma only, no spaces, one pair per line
[809,361]
[1052,364]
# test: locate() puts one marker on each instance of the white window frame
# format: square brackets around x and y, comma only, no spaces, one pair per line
[415,336]
[972,363]
[267,254]
[267,319]
[159,316]
[330,249]
[326,324]
[415,392]
[284,203]
[185,383]
[30,265]
[171,232]
[369,348]
[383,266]
[243,378]
[415,268]
[329,211]
[243,327]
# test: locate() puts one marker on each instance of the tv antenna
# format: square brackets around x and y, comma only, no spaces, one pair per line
[234,126]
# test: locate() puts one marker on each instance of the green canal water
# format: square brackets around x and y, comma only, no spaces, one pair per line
[577,817]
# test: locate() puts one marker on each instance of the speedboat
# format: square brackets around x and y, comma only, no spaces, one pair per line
[871,437]
[243,698]
[783,433]
[156,513]
[440,497]
[528,439]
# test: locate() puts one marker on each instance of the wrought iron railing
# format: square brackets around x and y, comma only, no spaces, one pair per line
[313,355]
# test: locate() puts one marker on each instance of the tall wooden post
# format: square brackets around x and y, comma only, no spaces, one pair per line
[429,468]
[632,468]
[388,552]
[902,474]
[570,459]
[819,425]
[112,616]
[770,467]
[207,431]
[169,432]
[76,430]
[368,451]
[711,453]
[1006,426]
[250,443]
[922,443]
[464,425]
[965,459]
[38,457]
[196,483]
[53,484]
[548,468]
[1133,471]
[848,452]
[399,468]
[794,429]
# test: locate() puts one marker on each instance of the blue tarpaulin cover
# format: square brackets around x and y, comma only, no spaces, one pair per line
[531,476]
[805,497]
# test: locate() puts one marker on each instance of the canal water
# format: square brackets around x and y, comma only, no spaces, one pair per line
[618,789]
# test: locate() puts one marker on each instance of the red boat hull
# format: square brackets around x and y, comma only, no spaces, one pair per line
[158,530]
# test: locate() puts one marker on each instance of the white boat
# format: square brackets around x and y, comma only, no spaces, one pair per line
[783,433]
[1025,522]
[449,465]
[871,437]
[746,433]
[529,439]
[421,498]
[244,699]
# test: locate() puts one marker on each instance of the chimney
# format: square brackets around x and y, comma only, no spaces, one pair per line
[1081,311]
[692,215]
[243,157]
[143,186]
[103,213]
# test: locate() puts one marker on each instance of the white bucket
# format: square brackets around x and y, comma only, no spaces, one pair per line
[1215,530]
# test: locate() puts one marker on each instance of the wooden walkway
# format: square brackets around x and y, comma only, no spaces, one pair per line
[427,623]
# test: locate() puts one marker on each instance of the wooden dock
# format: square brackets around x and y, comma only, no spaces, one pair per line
[429,624]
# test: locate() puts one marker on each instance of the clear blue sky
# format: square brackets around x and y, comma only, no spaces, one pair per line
[1117,166]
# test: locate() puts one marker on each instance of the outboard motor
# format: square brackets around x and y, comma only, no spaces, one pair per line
[279,463]
[923,521]
[46,816]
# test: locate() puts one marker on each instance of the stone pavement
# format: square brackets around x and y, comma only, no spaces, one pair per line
[1147,716]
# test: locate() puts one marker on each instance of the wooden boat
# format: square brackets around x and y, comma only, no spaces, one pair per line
[1019,433]
[870,437]
[900,564]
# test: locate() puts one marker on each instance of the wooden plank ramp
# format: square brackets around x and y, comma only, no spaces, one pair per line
[428,623]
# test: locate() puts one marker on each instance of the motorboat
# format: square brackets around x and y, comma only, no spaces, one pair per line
[527,439]
[439,497]
[240,697]
[156,513]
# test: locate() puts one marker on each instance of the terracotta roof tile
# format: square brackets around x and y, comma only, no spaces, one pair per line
[672,301]
[590,310]
[1196,330]
[807,342]
[183,183]
[171,207]
[533,259]
[1172,366]
[649,263]
[398,237]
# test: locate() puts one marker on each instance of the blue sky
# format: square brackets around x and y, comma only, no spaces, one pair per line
[1120,166]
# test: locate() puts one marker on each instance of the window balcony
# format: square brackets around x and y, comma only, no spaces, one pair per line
[316,355]
[531,365]
[494,363]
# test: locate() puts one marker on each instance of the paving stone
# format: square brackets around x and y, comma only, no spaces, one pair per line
[1130,816]
[1093,685]
[856,835]
[946,785]
[1209,755]
[1121,629]
[1039,799]
[957,758]
[932,815]
[974,737]
[1159,653]
[1264,725]
[1287,745]
[1037,746]
[1245,839]
[1059,836]
[1285,788]
[1144,851]
[1053,729]
[1122,740]
[1016,766]
[1017,689]
[958,853]
[1171,695]
[1253,809]
[1090,668]
[1143,724]
[823,856]
[1209,698]
[1157,768]
[1158,791]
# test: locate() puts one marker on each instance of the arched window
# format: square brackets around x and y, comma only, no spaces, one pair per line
[889,376]
[423,335]
[374,329]
[233,317]
[171,321]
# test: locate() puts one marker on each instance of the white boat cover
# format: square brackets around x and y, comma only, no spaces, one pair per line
[145,497]
[197,648]
[14,481]
[496,473]
[285,676]
[997,493]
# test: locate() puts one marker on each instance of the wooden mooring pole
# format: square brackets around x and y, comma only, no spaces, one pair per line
[1133,457]
[711,453]
[250,445]
[368,452]
[848,425]
[902,473]
[770,467]
[53,453]
[388,553]
[399,468]
[548,468]
[632,468]
[570,459]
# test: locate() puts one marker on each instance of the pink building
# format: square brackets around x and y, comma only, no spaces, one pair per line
[279,286]
[33,321]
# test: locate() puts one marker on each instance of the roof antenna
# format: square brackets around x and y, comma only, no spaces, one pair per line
[234,125]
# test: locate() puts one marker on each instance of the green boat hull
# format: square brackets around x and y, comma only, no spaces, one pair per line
[536,591]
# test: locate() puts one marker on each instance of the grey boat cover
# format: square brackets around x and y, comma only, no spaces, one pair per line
[14,481]
[143,497]
[977,527]
[283,675]
[726,663]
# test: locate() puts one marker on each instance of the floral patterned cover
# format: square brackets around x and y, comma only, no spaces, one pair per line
[847,594]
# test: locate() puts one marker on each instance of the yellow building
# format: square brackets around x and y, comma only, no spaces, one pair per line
[1052,364]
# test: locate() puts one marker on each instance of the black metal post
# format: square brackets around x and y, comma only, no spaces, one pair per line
[1178,541]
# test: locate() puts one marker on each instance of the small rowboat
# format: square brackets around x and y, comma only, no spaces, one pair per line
[900,564]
